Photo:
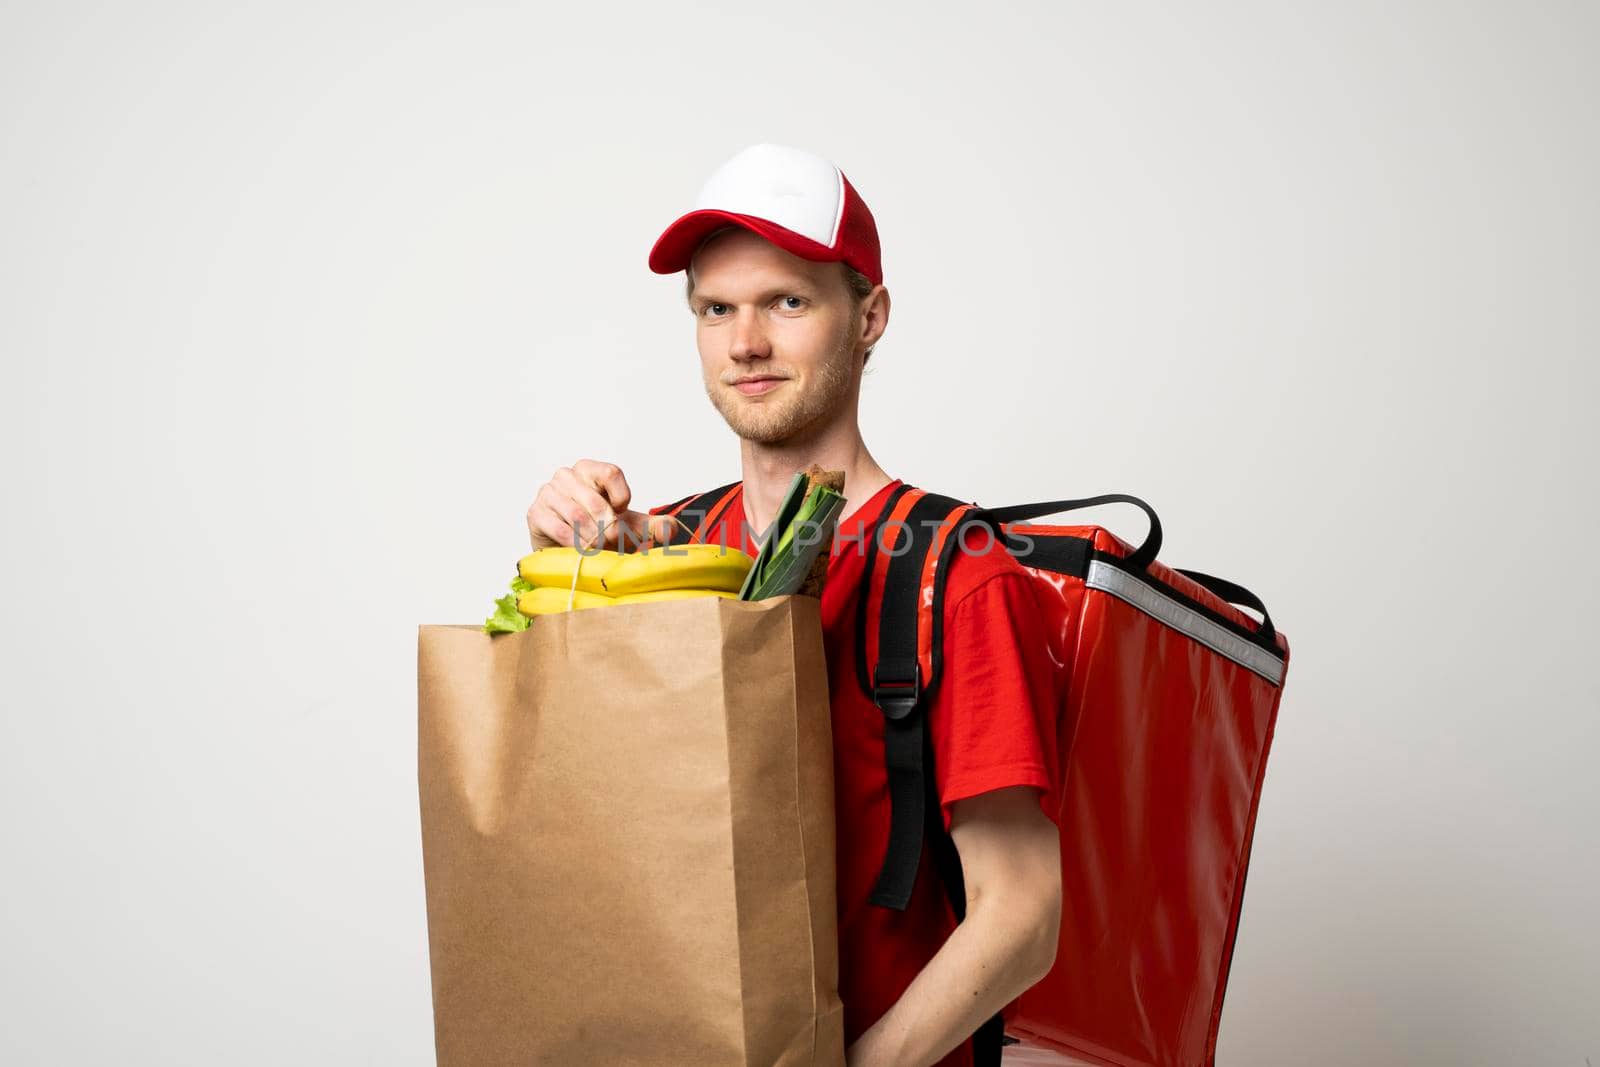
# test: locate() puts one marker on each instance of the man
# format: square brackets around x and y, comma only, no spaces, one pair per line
[785,284]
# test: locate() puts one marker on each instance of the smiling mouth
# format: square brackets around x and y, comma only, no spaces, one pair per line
[757,386]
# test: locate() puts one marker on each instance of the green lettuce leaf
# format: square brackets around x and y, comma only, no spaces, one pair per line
[506,618]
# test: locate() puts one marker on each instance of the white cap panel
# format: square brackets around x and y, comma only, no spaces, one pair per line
[796,189]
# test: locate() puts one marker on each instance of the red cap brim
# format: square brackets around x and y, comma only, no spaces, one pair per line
[677,244]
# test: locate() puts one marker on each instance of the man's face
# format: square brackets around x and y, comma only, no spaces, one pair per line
[762,313]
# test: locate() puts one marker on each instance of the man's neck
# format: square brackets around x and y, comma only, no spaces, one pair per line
[768,470]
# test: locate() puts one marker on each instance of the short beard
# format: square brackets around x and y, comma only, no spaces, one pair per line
[774,424]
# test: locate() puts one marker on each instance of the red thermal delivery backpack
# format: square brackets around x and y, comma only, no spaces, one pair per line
[1169,705]
[1170,697]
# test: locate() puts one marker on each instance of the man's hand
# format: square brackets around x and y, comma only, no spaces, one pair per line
[586,506]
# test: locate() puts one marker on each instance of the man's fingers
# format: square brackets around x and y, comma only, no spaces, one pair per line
[662,528]
[607,479]
[589,512]
[633,530]
[546,528]
[586,505]
[643,529]
[564,521]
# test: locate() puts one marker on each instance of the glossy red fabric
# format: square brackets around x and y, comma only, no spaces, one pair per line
[1167,748]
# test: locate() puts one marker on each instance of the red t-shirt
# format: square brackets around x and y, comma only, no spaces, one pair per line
[993,721]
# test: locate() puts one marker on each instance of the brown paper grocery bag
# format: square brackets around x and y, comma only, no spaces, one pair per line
[628,837]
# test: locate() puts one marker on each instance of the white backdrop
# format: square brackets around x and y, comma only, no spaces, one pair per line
[300,302]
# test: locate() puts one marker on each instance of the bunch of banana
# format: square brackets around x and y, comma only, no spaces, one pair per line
[712,567]
[606,577]
[552,568]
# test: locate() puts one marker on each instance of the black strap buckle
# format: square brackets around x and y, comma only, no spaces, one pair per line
[896,697]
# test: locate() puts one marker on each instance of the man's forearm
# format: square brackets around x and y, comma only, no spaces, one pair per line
[996,953]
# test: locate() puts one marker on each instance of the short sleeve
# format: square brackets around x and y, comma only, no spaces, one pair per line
[994,714]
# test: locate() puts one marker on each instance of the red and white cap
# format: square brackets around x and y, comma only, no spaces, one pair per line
[798,201]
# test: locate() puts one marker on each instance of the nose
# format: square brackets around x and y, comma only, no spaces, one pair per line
[749,337]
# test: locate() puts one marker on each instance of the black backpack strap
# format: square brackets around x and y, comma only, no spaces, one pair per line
[1235,594]
[1138,560]
[899,680]
[700,511]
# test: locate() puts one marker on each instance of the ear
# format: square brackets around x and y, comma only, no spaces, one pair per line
[874,316]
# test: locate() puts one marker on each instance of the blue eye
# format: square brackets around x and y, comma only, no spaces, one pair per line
[716,309]
[795,306]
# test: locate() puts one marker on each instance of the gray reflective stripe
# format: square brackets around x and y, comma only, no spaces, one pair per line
[1181,617]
